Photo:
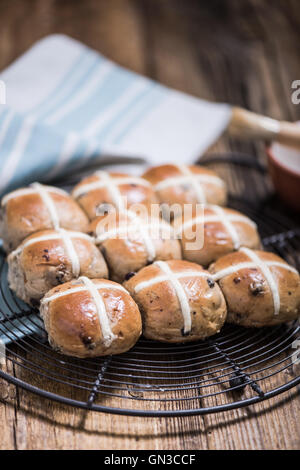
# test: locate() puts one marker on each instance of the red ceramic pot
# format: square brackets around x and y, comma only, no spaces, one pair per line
[284,165]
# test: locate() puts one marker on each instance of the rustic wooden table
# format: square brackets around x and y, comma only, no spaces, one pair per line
[245,53]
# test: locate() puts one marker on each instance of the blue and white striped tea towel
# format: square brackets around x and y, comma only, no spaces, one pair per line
[66,105]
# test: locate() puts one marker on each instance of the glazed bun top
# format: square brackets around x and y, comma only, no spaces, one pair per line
[128,225]
[51,257]
[88,318]
[256,274]
[184,281]
[35,208]
[96,192]
[129,242]
[50,248]
[184,184]
[214,232]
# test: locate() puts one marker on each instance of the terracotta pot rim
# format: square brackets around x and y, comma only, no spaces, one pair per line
[279,164]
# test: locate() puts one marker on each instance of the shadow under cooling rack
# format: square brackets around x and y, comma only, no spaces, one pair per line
[236,368]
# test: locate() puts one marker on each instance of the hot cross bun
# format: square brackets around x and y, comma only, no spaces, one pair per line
[51,257]
[178,300]
[129,242]
[102,189]
[214,233]
[182,184]
[38,207]
[89,318]
[260,288]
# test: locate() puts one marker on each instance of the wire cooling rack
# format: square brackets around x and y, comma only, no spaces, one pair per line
[234,369]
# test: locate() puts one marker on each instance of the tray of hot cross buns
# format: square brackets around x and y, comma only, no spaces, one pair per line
[160,255]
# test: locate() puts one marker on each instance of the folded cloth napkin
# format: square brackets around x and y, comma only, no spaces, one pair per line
[68,105]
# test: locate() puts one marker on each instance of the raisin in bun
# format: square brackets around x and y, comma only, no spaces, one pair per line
[51,257]
[181,184]
[178,300]
[89,318]
[38,207]
[260,288]
[101,190]
[214,233]
[129,242]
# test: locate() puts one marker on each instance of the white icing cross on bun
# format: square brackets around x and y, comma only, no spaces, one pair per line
[112,184]
[66,237]
[93,289]
[173,278]
[256,262]
[31,190]
[44,193]
[220,216]
[191,179]
[70,249]
[139,226]
[47,200]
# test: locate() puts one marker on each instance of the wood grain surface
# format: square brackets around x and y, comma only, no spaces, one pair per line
[242,52]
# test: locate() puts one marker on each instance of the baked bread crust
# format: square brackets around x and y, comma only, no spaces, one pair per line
[162,311]
[173,185]
[114,187]
[42,262]
[224,230]
[24,212]
[253,299]
[73,323]
[133,243]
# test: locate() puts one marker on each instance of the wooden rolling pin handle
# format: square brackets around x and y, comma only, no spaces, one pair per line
[246,124]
